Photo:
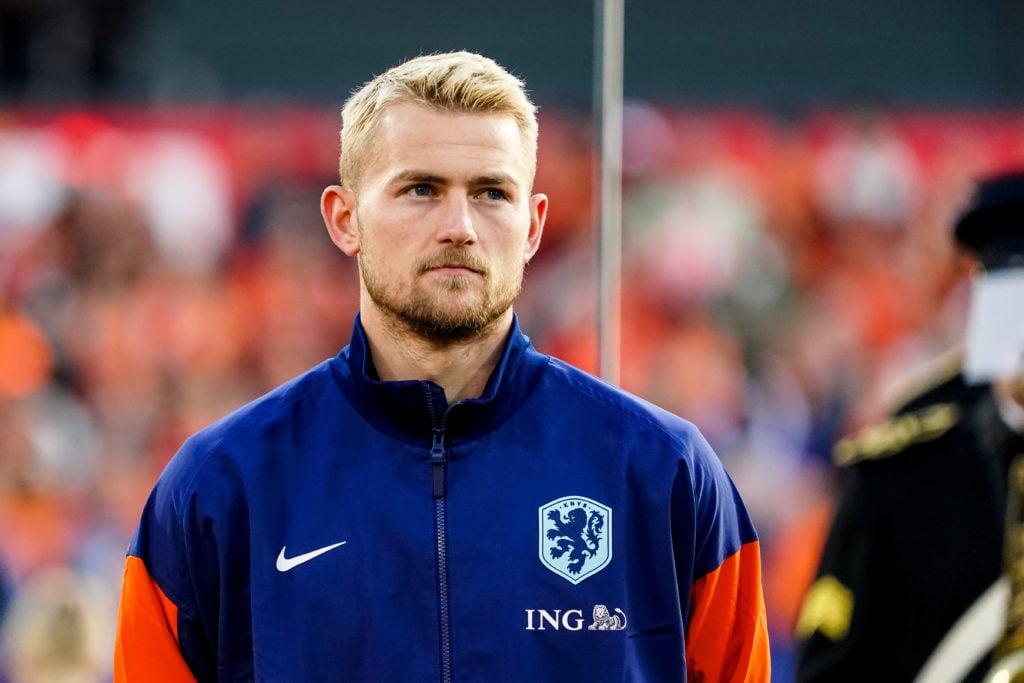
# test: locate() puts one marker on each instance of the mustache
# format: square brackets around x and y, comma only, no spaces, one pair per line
[453,258]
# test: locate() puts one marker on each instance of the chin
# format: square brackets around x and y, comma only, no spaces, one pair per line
[453,324]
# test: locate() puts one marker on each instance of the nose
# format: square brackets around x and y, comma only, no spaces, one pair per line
[456,226]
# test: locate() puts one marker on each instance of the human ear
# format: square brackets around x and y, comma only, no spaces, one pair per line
[337,206]
[538,214]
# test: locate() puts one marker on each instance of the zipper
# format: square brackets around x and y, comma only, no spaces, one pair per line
[438,463]
[442,592]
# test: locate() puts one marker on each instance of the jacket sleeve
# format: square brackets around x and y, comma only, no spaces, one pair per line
[728,635]
[727,632]
[146,648]
[170,600]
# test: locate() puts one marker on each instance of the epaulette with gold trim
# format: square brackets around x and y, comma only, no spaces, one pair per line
[897,434]
[929,376]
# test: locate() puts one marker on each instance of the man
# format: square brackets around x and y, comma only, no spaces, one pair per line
[440,501]
[919,528]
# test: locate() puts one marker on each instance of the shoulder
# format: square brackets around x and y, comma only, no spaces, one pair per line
[897,434]
[237,439]
[642,431]
[662,449]
[931,403]
[278,404]
[940,380]
[618,406]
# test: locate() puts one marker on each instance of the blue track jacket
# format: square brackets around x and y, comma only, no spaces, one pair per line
[341,528]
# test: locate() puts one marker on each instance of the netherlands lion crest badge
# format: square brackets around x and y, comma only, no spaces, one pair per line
[575,537]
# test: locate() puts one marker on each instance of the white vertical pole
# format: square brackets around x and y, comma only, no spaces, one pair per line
[609,21]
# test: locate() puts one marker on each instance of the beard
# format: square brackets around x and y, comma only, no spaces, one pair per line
[443,316]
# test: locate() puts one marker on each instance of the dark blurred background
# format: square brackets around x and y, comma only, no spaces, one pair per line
[790,174]
[783,56]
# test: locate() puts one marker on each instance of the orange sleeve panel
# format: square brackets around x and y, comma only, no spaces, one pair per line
[146,648]
[727,639]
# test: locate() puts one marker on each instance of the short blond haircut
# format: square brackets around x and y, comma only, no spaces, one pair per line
[461,82]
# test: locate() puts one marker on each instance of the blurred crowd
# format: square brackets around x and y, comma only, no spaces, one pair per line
[160,268]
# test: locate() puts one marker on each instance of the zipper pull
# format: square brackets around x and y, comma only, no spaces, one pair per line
[437,461]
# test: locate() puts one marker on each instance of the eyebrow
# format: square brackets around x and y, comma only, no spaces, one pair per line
[418,177]
[424,177]
[496,179]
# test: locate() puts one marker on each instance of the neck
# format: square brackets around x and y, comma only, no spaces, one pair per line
[460,367]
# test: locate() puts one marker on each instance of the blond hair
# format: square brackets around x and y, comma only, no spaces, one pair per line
[461,82]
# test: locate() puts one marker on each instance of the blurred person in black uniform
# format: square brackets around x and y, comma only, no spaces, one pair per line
[919,527]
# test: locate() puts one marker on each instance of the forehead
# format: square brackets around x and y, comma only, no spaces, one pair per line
[414,137]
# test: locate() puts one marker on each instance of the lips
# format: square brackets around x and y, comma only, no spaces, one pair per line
[452,262]
[453,266]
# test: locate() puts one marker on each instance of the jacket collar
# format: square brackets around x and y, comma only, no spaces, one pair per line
[412,409]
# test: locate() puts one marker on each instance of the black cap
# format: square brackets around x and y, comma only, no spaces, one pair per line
[992,226]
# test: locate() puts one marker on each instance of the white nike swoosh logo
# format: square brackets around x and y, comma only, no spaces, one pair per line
[287,563]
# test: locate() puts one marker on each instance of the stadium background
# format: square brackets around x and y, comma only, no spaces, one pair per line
[790,174]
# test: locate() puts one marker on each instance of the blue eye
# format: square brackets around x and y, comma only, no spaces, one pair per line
[421,190]
[495,194]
